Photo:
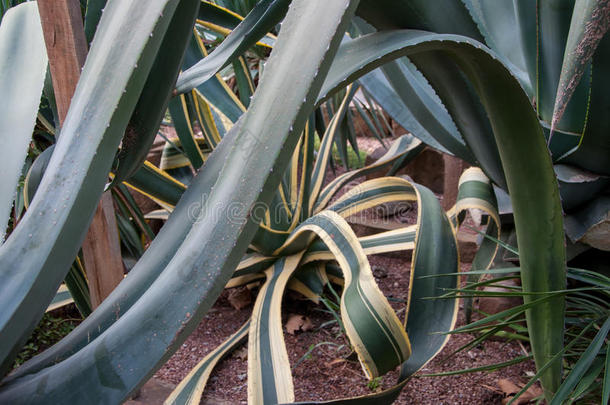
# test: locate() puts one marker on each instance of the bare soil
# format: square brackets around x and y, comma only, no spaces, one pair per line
[331,370]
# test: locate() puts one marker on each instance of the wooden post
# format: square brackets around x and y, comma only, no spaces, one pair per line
[67,50]
[66,46]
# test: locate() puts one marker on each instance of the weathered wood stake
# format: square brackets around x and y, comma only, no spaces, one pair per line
[67,49]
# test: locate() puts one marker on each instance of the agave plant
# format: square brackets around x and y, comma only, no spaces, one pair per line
[125,88]
[284,259]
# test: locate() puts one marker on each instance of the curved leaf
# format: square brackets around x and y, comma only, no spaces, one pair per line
[202,265]
[524,157]
[265,15]
[152,105]
[497,21]
[582,365]
[44,249]
[23,67]
[554,18]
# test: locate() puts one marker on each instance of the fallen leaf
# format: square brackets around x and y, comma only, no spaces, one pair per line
[297,323]
[510,389]
[240,298]
[335,361]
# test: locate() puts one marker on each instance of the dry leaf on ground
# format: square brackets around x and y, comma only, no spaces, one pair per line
[509,389]
[240,298]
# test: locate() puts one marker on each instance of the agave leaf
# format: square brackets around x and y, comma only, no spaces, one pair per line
[424,317]
[543,368]
[76,281]
[325,151]
[553,30]
[587,224]
[34,175]
[91,132]
[257,23]
[420,15]
[370,323]
[214,90]
[61,299]
[93,14]
[157,184]
[23,67]
[535,181]
[526,14]
[385,95]
[364,115]
[132,210]
[269,376]
[222,21]
[592,152]
[578,186]
[213,128]
[181,110]
[267,240]
[361,318]
[476,192]
[200,268]
[404,148]
[497,21]
[152,105]
[245,84]
[461,100]
[148,268]
[454,91]
[427,109]
[590,21]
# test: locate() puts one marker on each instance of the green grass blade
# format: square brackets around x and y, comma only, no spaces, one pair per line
[606,383]
[490,367]
[582,365]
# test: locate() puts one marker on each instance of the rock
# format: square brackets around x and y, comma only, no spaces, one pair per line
[494,305]
[298,323]
[468,246]
[427,169]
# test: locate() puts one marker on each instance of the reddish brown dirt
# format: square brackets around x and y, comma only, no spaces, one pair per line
[330,372]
